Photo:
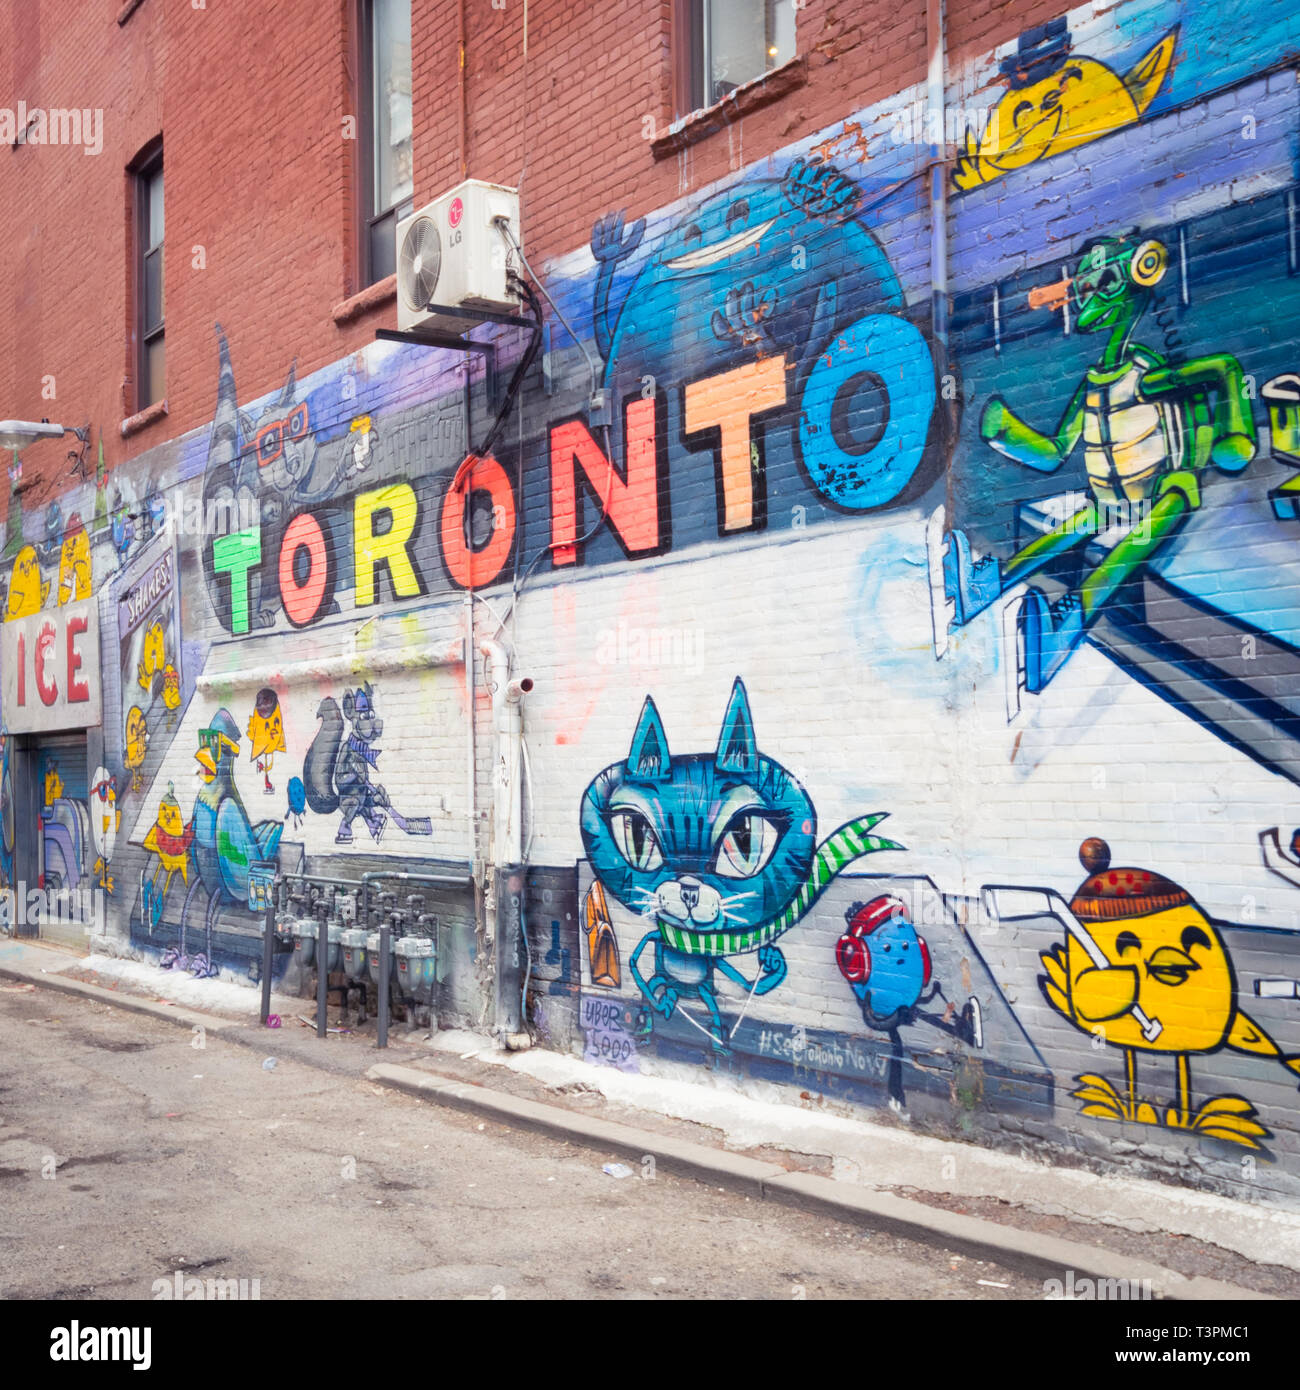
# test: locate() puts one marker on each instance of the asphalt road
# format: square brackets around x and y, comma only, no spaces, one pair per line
[127,1154]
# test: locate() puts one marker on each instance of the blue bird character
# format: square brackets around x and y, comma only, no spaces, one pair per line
[121,527]
[226,843]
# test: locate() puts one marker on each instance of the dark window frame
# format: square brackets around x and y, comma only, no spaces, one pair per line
[370,217]
[142,171]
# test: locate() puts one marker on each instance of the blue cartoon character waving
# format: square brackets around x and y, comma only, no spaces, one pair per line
[775,270]
[719,850]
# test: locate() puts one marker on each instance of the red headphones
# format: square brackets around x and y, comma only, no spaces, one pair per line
[852,953]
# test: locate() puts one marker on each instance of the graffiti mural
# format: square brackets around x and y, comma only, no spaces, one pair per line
[1149,429]
[719,851]
[336,773]
[169,839]
[266,734]
[887,964]
[105,822]
[1057,100]
[28,590]
[74,562]
[1145,969]
[66,840]
[1012,556]
[758,282]
[149,654]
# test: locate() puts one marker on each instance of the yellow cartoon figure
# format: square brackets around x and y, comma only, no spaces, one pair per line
[154,658]
[170,839]
[1056,101]
[171,691]
[266,734]
[53,784]
[74,563]
[105,822]
[137,740]
[1145,970]
[27,590]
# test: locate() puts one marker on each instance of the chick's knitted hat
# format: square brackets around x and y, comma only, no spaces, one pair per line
[1107,894]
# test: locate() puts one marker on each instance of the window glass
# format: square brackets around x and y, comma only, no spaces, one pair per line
[153,290]
[154,198]
[741,40]
[155,363]
[391,113]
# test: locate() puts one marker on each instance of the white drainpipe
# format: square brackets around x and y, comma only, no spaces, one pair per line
[507,800]
[507,784]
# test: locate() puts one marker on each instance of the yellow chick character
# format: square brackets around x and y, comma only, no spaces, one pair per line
[171,692]
[27,590]
[154,657]
[1057,101]
[137,740]
[1147,971]
[170,839]
[74,563]
[266,734]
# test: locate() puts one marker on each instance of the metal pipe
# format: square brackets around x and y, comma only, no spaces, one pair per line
[463,99]
[385,968]
[322,974]
[389,876]
[938,169]
[268,952]
[471,754]
[320,878]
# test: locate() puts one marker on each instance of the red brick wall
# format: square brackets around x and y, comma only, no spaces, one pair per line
[259,175]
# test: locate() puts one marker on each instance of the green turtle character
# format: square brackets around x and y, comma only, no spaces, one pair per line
[1149,428]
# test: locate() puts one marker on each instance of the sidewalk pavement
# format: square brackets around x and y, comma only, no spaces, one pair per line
[1032,1216]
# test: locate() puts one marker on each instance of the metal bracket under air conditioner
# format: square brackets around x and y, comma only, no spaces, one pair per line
[430,337]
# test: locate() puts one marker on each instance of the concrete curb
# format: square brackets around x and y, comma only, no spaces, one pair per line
[176,1013]
[1039,1256]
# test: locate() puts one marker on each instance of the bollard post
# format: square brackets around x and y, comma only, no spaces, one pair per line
[268,952]
[381,1030]
[322,973]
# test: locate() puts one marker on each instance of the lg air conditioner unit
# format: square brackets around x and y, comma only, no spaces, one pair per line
[453,254]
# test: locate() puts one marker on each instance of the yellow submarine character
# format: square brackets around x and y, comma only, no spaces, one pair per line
[1144,969]
[1056,101]
[74,563]
[27,590]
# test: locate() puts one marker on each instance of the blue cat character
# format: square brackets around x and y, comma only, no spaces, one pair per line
[719,850]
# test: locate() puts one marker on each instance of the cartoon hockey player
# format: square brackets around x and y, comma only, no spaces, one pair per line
[887,965]
[1145,970]
[266,734]
[1149,429]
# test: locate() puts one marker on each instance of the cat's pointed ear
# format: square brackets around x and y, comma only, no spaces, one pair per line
[648,755]
[290,386]
[737,749]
